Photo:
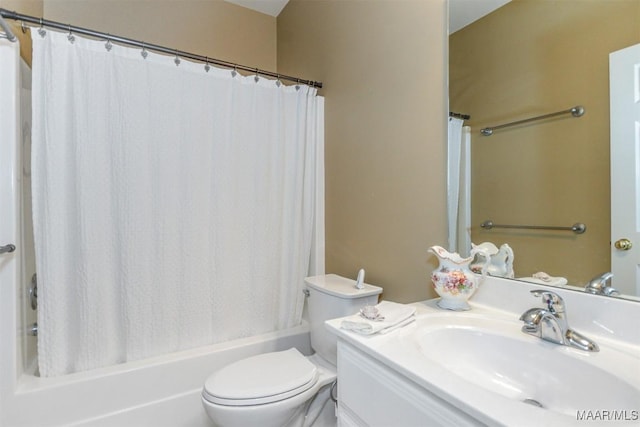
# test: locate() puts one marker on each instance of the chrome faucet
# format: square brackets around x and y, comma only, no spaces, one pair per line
[601,285]
[551,324]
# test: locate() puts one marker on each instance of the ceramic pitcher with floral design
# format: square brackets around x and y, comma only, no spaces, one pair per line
[453,280]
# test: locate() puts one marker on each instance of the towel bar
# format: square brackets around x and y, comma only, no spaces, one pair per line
[577,228]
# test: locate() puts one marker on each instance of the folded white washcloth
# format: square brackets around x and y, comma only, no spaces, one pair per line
[392,315]
[543,278]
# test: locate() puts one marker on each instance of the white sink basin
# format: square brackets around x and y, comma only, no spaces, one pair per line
[495,355]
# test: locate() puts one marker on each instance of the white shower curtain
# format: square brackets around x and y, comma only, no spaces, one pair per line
[173,206]
[459,187]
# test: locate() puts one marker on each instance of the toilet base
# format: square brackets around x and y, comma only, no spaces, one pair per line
[322,411]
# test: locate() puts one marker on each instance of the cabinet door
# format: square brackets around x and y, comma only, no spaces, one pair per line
[371,394]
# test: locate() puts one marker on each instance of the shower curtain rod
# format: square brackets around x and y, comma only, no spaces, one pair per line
[143,45]
[8,34]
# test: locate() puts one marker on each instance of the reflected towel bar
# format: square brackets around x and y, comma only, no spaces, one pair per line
[576,111]
[577,228]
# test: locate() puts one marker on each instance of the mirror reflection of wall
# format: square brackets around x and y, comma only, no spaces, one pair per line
[526,59]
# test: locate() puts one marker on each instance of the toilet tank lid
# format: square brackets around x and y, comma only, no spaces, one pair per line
[339,286]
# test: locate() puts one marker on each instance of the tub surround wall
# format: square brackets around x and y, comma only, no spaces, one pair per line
[28,315]
[383,66]
[10,197]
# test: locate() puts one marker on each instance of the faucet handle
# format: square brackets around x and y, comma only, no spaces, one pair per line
[554,302]
[533,316]
[601,285]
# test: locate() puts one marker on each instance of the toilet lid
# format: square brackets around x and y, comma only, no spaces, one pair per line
[260,379]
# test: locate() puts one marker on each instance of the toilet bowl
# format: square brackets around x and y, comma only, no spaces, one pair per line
[278,389]
[270,390]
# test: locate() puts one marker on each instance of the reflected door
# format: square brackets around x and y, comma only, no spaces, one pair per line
[624,84]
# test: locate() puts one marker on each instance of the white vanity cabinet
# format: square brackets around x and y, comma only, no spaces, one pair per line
[372,394]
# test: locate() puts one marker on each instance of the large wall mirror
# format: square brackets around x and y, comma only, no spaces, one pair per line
[528,58]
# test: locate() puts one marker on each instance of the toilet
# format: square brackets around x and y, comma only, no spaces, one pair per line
[275,389]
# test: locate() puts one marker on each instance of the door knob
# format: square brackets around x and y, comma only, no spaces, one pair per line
[623,244]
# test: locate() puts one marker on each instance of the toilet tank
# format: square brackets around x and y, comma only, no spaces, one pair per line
[332,296]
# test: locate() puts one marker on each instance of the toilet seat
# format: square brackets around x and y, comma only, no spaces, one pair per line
[261,379]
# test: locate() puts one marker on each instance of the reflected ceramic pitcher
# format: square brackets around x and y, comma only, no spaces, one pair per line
[500,260]
[453,280]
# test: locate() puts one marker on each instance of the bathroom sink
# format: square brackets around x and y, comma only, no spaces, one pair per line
[479,366]
[493,354]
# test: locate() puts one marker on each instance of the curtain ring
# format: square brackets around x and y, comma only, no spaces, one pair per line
[144,51]
[234,72]
[257,77]
[206,64]
[23,27]
[108,45]
[298,84]
[177,60]
[41,30]
[278,82]
[71,37]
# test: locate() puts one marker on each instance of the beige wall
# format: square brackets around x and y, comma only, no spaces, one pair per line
[27,7]
[212,28]
[382,65]
[529,58]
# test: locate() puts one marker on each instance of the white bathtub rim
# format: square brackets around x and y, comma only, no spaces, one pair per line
[137,393]
[29,382]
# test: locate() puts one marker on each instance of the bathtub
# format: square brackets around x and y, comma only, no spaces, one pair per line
[159,391]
